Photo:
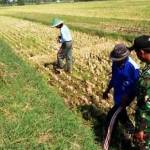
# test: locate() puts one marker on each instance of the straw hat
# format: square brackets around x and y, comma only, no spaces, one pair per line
[55,22]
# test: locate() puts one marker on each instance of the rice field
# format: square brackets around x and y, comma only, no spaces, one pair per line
[119,9]
[36,43]
[95,26]
[116,18]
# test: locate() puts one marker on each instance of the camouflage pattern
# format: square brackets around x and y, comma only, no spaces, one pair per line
[142,116]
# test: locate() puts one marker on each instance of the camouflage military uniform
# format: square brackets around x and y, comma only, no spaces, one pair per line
[142,116]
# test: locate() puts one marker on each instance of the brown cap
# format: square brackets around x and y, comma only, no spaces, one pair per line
[119,53]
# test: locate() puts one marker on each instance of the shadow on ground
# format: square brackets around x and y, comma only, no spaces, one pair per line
[97,118]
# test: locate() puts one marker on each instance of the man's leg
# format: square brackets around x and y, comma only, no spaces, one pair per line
[60,57]
[126,141]
[125,121]
[108,119]
[68,55]
[111,126]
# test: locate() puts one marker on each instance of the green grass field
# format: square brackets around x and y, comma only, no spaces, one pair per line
[36,102]
[33,116]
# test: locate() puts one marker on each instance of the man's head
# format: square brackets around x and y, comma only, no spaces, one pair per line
[119,54]
[56,23]
[141,46]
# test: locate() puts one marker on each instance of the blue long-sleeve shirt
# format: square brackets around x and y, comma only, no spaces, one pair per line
[124,79]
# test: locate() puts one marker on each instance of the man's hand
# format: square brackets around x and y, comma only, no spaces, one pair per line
[59,39]
[139,136]
[105,95]
[60,50]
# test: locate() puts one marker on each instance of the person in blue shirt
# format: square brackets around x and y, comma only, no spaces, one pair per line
[65,51]
[125,73]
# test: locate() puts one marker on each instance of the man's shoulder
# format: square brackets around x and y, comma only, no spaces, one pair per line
[65,27]
[145,77]
[132,63]
[146,71]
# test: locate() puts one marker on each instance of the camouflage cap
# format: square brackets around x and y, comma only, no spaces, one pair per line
[141,43]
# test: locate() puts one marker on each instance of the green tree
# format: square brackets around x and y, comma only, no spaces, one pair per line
[21,2]
[3,1]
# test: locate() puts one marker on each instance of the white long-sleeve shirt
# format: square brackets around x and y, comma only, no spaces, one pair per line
[65,34]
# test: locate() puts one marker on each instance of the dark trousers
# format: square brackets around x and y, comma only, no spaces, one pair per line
[65,53]
[122,118]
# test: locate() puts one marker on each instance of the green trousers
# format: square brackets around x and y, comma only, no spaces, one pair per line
[65,53]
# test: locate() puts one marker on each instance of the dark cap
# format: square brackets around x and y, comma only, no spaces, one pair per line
[119,53]
[141,42]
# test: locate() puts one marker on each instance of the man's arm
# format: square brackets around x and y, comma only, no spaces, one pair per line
[143,110]
[109,87]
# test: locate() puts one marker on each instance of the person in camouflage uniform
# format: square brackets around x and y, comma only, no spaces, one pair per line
[142,116]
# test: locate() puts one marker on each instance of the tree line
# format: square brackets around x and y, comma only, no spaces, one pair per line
[23,2]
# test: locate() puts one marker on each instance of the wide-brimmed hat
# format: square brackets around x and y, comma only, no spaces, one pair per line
[141,43]
[119,53]
[55,22]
